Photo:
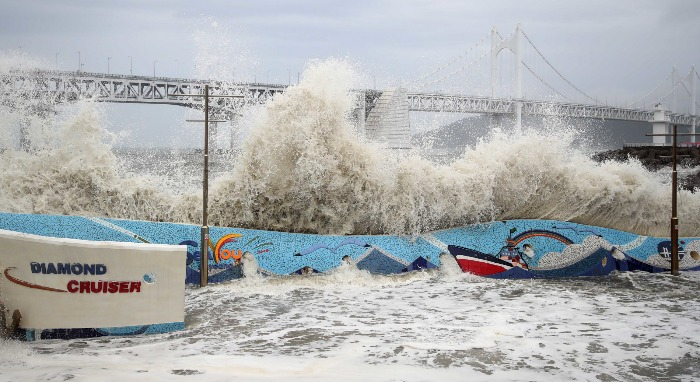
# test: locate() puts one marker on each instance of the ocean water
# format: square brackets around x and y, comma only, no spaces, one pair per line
[424,326]
[303,168]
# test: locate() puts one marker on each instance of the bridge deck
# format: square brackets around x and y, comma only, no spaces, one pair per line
[58,86]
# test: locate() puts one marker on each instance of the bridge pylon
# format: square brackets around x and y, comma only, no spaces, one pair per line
[512,43]
[693,102]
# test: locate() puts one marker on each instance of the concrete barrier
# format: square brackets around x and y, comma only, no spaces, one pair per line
[67,288]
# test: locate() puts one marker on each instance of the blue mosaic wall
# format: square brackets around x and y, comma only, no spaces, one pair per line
[65,334]
[554,245]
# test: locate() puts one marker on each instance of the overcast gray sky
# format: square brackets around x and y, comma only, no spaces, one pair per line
[620,48]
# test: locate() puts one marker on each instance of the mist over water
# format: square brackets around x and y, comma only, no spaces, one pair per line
[304,167]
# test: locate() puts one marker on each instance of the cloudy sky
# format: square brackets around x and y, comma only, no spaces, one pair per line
[620,48]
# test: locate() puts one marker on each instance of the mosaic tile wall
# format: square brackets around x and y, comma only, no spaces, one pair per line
[65,334]
[557,247]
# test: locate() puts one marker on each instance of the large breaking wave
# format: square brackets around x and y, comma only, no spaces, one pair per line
[303,167]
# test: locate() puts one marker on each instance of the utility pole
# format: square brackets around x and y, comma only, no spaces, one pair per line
[674,206]
[674,198]
[204,251]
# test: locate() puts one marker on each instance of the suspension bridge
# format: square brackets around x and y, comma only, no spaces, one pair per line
[480,80]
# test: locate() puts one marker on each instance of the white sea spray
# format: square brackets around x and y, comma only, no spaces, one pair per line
[304,167]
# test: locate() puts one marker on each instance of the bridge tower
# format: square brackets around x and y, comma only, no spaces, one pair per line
[674,82]
[512,43]
[693,113]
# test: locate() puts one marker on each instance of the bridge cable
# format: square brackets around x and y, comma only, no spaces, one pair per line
[451,62]
[651,92]
[466,66]
[674,89]
[698,76]
[560,75]
[462,68]
[549,86]
[454,72]
[686,89]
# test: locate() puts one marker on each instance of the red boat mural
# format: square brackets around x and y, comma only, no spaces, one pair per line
[510,262]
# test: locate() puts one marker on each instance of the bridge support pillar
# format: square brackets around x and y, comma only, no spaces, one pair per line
[218,135]
[693,111]
[518,117]
[388,122]
[500,121]
[359,113]
[25,143]
[674,82]
[659,125]
[235,137]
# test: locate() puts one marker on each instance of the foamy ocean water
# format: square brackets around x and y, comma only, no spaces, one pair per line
[424,326]
[303,168]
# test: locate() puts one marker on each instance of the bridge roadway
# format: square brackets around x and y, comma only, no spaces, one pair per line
[55,87]
[59,86]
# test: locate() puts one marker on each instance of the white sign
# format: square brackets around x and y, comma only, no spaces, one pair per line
[66,283]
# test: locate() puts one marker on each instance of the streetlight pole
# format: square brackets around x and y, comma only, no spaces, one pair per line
[674,206]
[674,198]
[131,66]
[80,63]
[108,58]
[204,251]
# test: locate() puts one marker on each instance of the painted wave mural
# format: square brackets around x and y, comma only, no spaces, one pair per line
[500,249]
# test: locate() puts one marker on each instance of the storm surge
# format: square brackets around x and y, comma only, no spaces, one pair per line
[305,167]
[71,169]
